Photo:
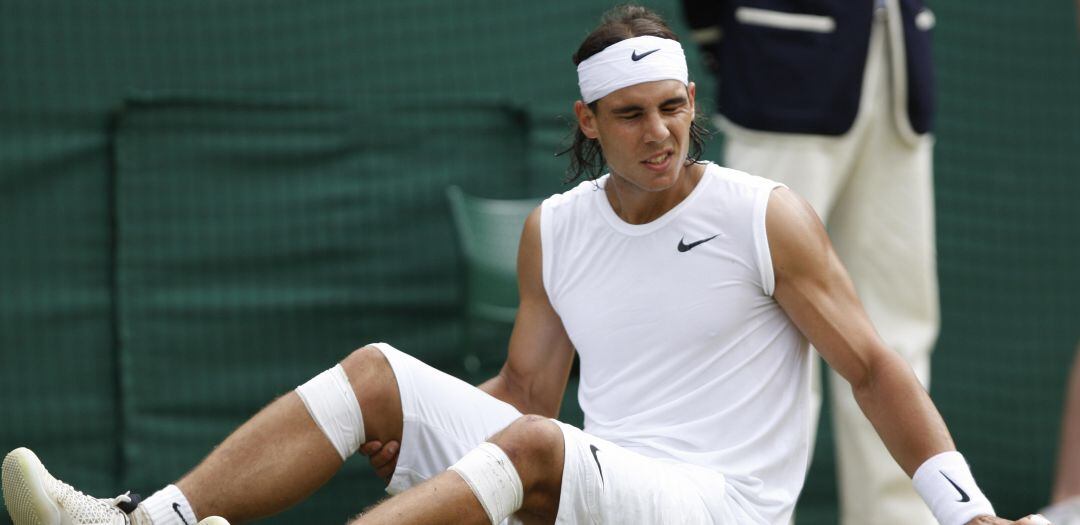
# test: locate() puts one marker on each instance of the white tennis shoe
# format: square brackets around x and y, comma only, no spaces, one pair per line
[34,497]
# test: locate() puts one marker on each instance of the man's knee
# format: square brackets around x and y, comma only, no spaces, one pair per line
[369,373]
[376,389]
[535,445]
[366,361]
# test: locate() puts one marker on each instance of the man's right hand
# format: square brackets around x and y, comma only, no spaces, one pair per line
[1033,519]
[382,456]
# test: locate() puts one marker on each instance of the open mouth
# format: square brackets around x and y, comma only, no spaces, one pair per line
[659,159]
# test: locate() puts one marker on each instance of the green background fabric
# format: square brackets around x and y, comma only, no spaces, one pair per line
[202,204]
[286,235]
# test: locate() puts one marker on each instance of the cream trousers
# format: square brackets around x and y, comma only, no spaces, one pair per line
[873,189]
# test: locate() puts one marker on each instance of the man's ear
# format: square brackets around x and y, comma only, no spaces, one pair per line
[586,119]
[691,93]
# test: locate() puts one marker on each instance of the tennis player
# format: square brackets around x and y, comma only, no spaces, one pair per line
[689,291]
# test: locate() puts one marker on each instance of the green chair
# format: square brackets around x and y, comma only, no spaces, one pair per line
[488,233]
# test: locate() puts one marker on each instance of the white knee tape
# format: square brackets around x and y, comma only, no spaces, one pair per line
[494,480]
[331,402]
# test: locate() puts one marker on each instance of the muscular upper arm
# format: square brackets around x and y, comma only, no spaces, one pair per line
[540,354]
[814,289]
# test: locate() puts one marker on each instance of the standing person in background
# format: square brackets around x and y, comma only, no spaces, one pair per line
[835,98]
[1064,506]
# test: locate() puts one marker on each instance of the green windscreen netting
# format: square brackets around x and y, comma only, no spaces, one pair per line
[1008,182]
[202,204]
[260,241]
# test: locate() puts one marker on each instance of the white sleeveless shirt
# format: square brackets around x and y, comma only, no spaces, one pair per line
[684,352]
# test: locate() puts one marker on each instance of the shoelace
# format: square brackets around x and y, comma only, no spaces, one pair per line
[123,498]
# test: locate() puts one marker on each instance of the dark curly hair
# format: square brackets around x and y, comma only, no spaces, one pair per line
[618,24]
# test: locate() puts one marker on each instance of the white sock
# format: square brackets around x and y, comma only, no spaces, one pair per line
[167,506]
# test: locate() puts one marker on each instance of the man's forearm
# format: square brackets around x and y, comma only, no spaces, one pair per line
[912,429]
[902,413]
[497,388]
[504,390]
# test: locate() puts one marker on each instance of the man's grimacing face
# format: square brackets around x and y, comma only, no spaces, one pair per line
[644,131]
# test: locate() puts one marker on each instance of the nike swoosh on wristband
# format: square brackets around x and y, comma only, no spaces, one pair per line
[597,460]
[683,247]
[964,498]
[635,57]
[176,507]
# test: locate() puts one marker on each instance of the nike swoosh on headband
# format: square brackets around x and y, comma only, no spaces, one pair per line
[635,57]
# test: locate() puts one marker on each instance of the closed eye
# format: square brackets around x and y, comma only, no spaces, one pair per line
[672,108]
[673,104]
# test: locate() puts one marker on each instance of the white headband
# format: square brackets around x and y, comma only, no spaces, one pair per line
[628,62]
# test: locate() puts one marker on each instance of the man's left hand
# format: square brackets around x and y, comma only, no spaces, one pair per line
[382,456]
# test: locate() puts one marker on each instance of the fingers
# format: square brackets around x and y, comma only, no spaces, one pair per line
[385,456]
[385,461]
[986,520]
[1031,519]
[989,520]
[1034,519]
[382,456]
[370,447]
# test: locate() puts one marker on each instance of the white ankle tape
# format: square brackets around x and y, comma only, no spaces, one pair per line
[948,488]
[494,480]
[331,402]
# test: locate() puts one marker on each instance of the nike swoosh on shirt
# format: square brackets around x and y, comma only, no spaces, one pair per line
[683,247]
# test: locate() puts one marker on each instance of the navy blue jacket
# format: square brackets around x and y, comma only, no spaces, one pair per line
[803,74]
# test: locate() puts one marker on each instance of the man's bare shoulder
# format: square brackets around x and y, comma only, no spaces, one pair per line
[797,238]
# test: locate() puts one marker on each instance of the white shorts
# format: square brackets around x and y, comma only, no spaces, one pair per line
[445,418]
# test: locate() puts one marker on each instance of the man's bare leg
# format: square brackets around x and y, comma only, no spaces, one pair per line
[535,447]
[280,456]
[442,499]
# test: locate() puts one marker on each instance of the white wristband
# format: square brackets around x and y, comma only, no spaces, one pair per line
[948,488]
